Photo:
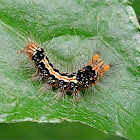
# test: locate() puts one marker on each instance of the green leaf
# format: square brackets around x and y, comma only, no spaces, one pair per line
[70,31]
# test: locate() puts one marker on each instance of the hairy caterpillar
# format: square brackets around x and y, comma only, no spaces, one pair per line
[74,82]
[65,82]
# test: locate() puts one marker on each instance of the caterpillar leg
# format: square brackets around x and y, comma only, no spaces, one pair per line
[36,77]
[45,87]
[76,96]
[59,95]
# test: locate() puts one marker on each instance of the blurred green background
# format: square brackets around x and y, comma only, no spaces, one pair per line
[136,6]
[65,130]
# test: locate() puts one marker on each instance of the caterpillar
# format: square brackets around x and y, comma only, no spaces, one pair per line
[65,82]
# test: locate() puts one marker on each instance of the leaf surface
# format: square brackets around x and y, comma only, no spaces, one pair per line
[70,31]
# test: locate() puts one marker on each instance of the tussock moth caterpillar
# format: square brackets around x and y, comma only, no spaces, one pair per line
[96,68]
[65,82]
